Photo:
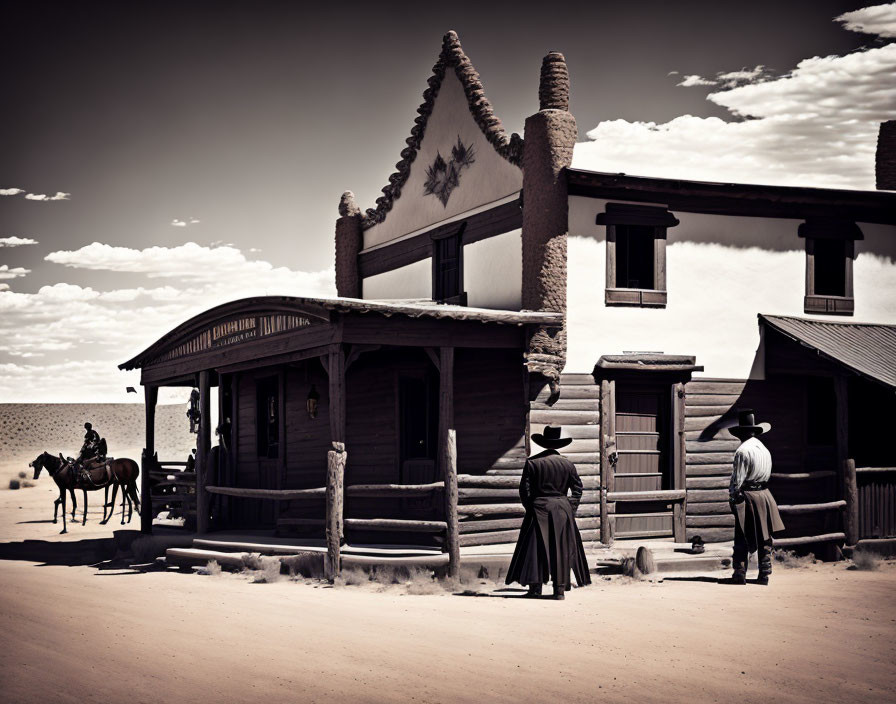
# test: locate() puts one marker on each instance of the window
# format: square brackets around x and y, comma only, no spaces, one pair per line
[830,251]
[448,268]
[636,254]
[267,416]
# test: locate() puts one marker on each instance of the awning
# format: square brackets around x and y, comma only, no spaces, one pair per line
[864,348]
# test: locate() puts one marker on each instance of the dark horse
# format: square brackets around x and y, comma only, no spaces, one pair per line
[122,472]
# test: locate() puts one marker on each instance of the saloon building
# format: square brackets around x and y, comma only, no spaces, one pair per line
[495,288]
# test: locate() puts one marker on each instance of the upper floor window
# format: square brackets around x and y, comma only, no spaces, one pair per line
[636,254]
[830,251]
[448,267]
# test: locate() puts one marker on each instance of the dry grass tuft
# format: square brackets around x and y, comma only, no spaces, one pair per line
[866,560]
[264,569]
[352,577]
[212,569]
[790,560]
[630,568]
[309,565]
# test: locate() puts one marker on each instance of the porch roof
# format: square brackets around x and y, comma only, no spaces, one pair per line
[863,348]
[193,336]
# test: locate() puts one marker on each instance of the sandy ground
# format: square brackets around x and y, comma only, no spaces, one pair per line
[74,632]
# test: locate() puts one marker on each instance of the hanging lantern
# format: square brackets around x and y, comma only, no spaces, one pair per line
[311,402]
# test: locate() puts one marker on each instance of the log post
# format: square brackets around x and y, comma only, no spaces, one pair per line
[679,508]
[335,492]
[607,450]
[851,494]
[203,446]
[148,461]
[336,371]
[453,541]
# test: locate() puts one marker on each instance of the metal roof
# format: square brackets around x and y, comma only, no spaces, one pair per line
[865,348]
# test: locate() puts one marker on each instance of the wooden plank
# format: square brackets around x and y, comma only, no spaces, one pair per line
[706,495]
[335,497]
[700,509]
[273,494]
[397,525]
[871,470]
[577,380]
[700,446]
[812,508]
[662,495]
[808,540]
[706,399]
[579,458]
[567,405]
[701,385]
[715,411]
[704,521]
[709,470]
[710,458]
[708,482]
[712,535]
[802,476]
[392,490]
[570,392]
[537,418]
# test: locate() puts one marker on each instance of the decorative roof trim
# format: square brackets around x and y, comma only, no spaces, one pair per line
[453,56]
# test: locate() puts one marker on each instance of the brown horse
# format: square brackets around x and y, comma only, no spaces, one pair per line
[121,472]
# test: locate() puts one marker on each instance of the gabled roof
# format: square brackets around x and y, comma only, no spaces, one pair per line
[864,348]
[509,147]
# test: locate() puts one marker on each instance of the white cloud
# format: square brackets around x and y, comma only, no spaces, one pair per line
[178,223]
[41,196]
[4,287]
[745,75]
[694,80]
[104,328]
[815,126]
[877,19]
[7,273]
[11,191]
[16,241]
[194,221]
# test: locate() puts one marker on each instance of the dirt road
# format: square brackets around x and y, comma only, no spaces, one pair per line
[82,634]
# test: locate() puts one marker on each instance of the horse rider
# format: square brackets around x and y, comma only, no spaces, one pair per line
[94,447]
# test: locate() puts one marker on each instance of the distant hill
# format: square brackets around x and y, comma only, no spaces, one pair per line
[27,429]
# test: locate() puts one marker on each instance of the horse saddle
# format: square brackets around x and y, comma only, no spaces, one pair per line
[98,473]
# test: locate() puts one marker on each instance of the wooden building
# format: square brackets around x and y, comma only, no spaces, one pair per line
[495,288]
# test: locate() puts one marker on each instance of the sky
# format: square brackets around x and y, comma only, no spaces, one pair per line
[159,158]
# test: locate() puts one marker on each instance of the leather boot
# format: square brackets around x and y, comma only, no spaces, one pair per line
[534,591]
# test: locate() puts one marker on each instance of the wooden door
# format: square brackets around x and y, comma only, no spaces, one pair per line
[644,461]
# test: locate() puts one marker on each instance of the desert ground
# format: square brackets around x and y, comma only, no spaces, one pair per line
[79,628]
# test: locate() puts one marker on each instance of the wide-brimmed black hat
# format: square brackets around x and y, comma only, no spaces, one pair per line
[551,439]
[746,425]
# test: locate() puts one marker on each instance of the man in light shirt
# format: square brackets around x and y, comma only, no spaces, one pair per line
[756,514]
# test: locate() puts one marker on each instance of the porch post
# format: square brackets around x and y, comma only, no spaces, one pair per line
[607,448]
[203,446]
[448,455]
[148,461]
[845,465]
[679,455]
[335,461]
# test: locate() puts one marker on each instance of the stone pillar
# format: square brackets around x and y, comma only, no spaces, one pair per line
[550,136]
[349,241]
[885,158]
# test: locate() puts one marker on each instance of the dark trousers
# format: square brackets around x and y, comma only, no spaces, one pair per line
[742,551]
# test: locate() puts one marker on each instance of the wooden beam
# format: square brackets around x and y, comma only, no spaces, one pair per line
[391,490]
[356,351]
[812,508]
[452,544]
[148,461]
[607,453]
[336,371]
[808,540]
[396,525]
[203,445]
[272,494]
[679,458]
[335,497]
[433,357]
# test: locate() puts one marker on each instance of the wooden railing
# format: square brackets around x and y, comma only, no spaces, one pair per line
[170,488]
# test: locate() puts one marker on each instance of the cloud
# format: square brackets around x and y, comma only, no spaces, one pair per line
[694,80]
[105,327]
[41,196]
[814,126]
[745,75]
[7,273]
[184,223]
[4,287]
[877,19]
[11,191]
[194,221]
[16,241]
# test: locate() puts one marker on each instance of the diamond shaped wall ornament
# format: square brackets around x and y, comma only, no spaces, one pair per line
[443,177]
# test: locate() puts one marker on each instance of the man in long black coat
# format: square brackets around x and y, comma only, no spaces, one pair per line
[549,544]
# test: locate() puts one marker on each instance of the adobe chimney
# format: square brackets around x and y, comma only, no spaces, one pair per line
[885,158]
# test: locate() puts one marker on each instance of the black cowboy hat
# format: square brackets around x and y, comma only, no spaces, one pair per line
[551,439]
[747,426]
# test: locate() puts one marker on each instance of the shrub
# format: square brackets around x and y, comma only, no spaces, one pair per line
[308,565]
[790,560]
[212,568]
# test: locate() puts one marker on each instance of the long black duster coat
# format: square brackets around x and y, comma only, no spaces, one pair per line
[549,544]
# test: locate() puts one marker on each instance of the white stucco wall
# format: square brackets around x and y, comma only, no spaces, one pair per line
[412,281]
[493,272]
[489,178]
[721,271]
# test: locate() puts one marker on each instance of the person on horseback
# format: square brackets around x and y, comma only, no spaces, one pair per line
[93,451]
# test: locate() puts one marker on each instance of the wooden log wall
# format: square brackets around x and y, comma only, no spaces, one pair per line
[800,475]
[489,505]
